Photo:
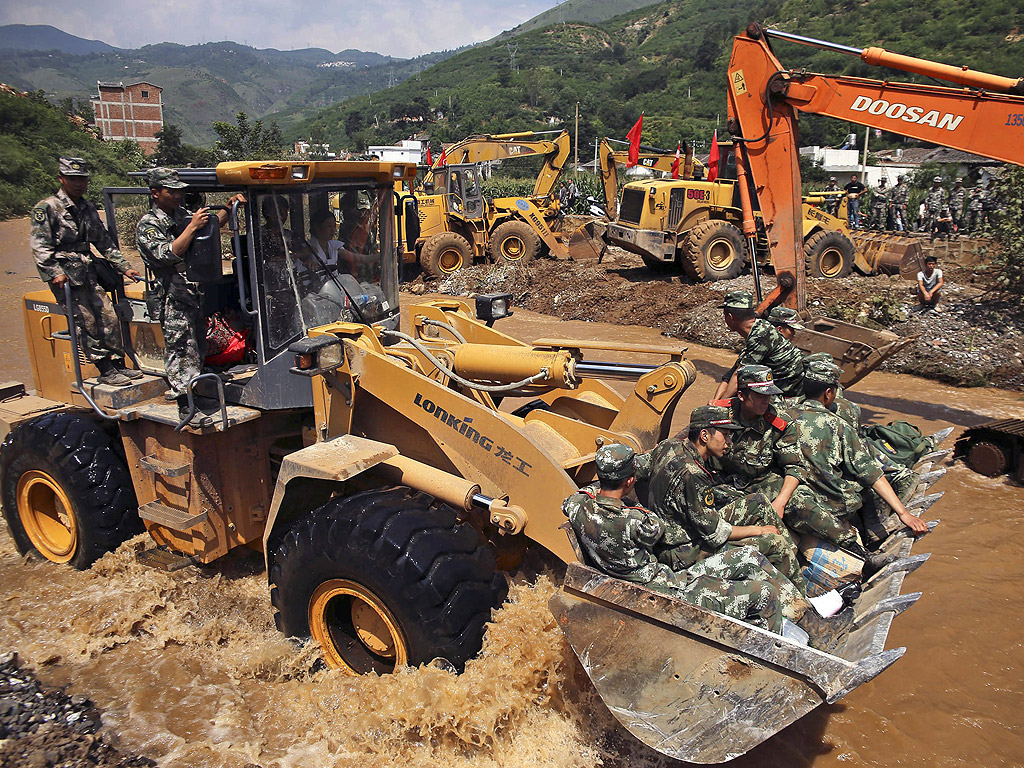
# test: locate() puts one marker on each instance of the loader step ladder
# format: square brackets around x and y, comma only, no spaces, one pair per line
[169,517]
[164,468]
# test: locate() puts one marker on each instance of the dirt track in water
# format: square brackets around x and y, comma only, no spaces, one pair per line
[190,672]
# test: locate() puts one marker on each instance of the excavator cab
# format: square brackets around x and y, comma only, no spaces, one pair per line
[462,185]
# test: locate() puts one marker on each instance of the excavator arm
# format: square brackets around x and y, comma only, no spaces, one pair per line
[764,98]
[609,160]
[505,146]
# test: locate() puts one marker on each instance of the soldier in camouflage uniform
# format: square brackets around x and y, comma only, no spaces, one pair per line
[976,207]
[832,201]
[832,468]
[898,204]
[164,236]
[934,202]
[64,229]
[684,490]
[957,198]
[618,539]
[786,321]
[763,345]
[880,197]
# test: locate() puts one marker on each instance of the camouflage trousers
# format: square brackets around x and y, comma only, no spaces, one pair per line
[738,582]
[99,332]
[779,548]
[877,520]
[810,511]
[184,342]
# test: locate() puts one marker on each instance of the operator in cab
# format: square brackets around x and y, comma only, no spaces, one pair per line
[164,236]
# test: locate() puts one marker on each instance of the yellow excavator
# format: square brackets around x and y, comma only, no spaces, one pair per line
[457,225]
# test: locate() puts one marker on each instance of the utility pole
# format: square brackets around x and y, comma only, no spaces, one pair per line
[576,143]
[864,161]
[597,165]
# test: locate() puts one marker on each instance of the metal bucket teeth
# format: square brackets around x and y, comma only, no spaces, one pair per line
[919,504]
[940,436]
[928,479]
[935,456]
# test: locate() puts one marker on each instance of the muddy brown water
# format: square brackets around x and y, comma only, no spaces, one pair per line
[191,672]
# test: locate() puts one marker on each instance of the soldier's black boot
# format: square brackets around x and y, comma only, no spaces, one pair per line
[198,418]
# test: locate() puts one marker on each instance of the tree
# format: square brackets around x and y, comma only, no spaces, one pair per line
[169,148]
[248,141]
[130,153]
[1009,231]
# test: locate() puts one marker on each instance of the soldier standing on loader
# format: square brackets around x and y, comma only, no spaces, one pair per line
[832,201]
[65,226]
[829,470]
[619,540]
[934,202]
[164,236]
[880,197]
[763,345]
[976,207]
[898,204]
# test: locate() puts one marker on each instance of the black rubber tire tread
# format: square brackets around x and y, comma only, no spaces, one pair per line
[431,252]
[693,254]
[818,243]
[86,458]
[431,571]
[514,228]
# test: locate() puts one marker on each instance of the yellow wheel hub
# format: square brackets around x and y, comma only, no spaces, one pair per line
[449,261]
[831,262]
[721,254]
[46,514]
[356,631]
[513,248]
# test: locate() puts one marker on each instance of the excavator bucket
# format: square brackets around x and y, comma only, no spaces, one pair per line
[699,686]
[856,349]
[881,253]
[587,242]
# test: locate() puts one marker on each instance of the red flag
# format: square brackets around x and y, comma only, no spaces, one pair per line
[430,160]
[675,163]
[443,159]
[713,158]
[634,142]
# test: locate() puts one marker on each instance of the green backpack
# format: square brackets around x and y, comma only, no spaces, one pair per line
[900,440]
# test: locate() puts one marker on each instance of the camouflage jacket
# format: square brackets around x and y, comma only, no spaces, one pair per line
[753,453]
[935,200]
[680,489]
[900,195]
[617,539]
[62,235]
[845,409]
[764,345]
[155,233]
[977,199]
[880,197]
[828,455]
[956,200]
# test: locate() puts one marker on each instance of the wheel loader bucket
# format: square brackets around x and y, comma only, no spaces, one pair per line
[880,253]
[587,242]
[856,349]
[699,686]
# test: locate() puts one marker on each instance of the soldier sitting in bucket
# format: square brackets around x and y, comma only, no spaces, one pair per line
[829,469]
[762,345]
[619,539]
[786,321]
[65,227]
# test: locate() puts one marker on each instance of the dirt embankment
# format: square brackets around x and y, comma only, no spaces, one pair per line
[974,337]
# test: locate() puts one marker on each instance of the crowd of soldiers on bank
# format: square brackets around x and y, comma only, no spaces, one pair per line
[777,461]
[943,214]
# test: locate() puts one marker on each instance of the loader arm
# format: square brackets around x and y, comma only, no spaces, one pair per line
[609,160]
[764,99]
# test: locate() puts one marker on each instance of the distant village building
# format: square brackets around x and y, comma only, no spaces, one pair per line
[409,151]
[129,112]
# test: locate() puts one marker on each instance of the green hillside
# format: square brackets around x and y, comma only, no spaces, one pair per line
[668,61]
[586,11]
[204,83]
[34,135]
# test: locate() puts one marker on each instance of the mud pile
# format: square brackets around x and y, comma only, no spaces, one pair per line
[973,339]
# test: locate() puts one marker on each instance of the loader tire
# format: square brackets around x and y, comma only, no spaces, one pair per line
[66,489]
[713,251]
[445,253]
[383,579]
[828,254]
[515,242]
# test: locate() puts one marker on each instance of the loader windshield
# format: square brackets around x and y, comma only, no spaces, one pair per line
[323,256]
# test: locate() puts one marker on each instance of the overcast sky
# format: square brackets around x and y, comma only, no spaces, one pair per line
[403,28]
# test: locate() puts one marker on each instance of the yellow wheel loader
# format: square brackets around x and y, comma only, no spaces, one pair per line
[390,477]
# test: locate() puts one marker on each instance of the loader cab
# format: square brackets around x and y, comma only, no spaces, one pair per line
[462,187]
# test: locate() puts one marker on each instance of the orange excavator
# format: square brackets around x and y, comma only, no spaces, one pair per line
[983,116]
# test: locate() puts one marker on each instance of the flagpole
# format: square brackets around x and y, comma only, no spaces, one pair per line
[576,143]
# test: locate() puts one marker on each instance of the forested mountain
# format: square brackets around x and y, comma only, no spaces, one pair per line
[669,61]
[587,11]
[213,81]
[43,37]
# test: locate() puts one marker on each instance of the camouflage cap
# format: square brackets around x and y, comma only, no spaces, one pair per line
[822,372]
[831,178]
[959,180]
[164,177]
[738,300]
[937,180]
[785,316]
[615,462]
[816,356]
[712,417]
[757,378]
[73,166]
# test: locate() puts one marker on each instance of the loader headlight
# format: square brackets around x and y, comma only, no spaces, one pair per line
[317,355]
[493,306]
